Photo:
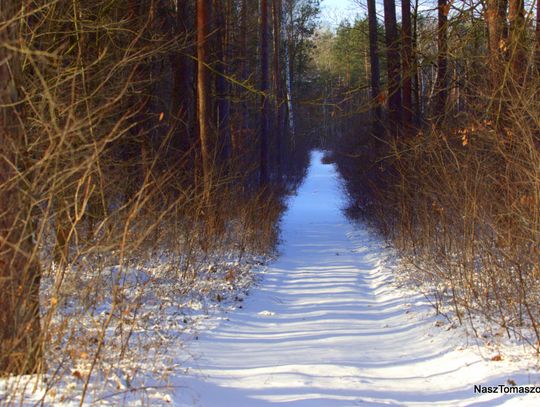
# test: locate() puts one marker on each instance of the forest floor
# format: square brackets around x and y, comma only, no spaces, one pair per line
[330,325]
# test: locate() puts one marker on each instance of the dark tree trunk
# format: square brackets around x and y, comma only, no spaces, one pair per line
[222,84]
[393,66]
[203,98]
[264,144]
[538,36]
[497,37]
[20,330]
[289,69]
[182,66]
[518,52]
[238,137]
[278,85]
[417,89]
[374,64]
[442,59]
[407,63]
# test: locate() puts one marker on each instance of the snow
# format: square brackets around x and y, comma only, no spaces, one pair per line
[161,310]
[329,326]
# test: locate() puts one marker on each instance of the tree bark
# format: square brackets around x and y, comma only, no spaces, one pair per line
[375,73]
[264,144]
[518,53]
[222,84]
[182,65]
[538,35]
[442,59]
[278,85]
[203,99]
[497,37]
[417,80]
[393,66]
[20,330]
[407,63]
[237,137]
[289,71]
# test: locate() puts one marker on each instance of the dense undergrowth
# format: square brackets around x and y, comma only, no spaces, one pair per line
[461,202]
[111,237]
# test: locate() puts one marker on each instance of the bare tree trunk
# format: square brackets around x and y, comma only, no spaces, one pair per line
[407,64]
[496,24]
[203,99]
[538,35]
[442,59]
[497,33]
[264,144]
[236,140]
[222,84]
[393,66]
[288,73]
[374,64]
[20,330]
[518,53]
[182,65]
[417,91]
[278,85]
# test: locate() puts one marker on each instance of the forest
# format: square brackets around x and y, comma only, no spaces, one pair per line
[150,151]
[439,144]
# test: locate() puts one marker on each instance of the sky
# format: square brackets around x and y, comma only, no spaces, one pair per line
[333,11]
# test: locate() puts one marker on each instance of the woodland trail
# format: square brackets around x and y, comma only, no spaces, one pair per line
[328,327]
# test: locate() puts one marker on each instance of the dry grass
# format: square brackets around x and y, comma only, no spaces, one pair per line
[461,201]
[104,205]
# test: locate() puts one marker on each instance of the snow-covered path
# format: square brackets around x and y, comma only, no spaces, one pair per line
[327,328]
